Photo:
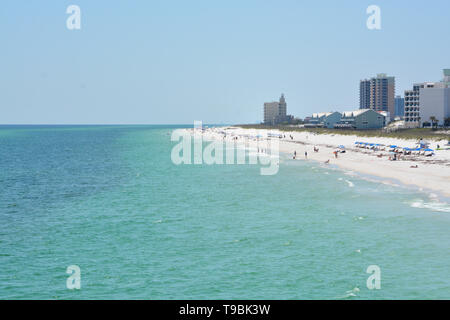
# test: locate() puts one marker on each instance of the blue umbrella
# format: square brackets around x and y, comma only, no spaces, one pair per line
[341,147]
[357,142]
[392,146]
[429,150]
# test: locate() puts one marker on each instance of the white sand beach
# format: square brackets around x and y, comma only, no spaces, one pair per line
[431,173]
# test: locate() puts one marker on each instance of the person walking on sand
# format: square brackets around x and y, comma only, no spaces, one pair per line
[306,154]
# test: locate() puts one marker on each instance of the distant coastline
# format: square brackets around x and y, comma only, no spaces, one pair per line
[413,133]
[431,173]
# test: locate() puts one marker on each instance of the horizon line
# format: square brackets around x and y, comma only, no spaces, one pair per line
[110,124]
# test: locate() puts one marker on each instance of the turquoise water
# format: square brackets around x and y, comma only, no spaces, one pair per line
[109,200]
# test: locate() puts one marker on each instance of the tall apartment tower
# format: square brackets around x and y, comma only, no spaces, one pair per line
[399,106]
[378,93]
[446,79]
[412,106]
[275,112]
[364,94]
[282,108]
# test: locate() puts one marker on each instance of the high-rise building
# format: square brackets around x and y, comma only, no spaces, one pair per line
[282,108]
[399,106]
[275,112]
[378,93]
[446,79]
[427,101]
[270,112]
[364,94]
[412,106]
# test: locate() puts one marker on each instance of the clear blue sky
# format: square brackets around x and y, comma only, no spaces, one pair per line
[218,61]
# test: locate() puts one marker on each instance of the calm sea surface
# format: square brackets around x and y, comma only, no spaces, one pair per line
[109,200]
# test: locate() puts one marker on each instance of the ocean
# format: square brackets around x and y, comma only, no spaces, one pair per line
[109,200]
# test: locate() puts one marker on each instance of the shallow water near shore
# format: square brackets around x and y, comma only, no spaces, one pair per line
[110,200]
[430,198]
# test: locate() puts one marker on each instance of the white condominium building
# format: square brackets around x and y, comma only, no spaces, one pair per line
[427,101]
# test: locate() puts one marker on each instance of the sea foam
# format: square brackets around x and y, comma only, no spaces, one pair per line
[431,205]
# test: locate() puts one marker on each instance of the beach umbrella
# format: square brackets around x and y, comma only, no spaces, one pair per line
[341,147]
[429,150]
[357,142]
[392,146]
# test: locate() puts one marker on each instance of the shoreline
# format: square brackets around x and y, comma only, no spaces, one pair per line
[390,181]
[432,173]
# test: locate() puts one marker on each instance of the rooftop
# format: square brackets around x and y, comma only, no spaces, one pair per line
[321,114]
[348,114]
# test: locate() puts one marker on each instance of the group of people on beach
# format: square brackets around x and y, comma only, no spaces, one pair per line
[295,155]
[395,157]
[316,149]
[262,150]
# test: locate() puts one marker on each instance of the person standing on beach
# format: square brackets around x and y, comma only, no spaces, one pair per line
[306,154]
